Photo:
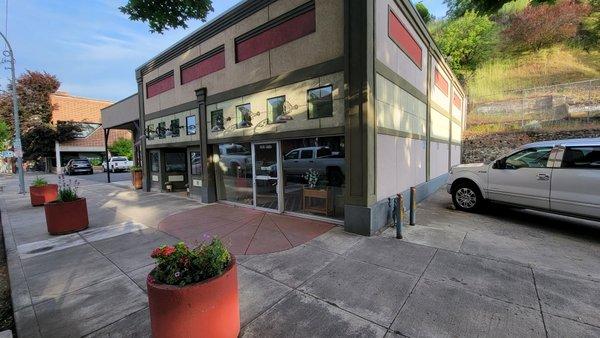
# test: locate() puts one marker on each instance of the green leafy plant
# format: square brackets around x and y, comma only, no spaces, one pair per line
[96,161]
[39,182]
[312,177]
[122,147]
[136,168]
[67,189]
[179,265]
[162,15]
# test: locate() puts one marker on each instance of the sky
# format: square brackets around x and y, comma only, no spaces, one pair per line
[90,45]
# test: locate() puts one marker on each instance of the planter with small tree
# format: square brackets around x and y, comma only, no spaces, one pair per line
[69,212]
[42,192]
[136,176]
[194,292]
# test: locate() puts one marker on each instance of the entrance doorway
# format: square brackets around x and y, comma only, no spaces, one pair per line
[267,173]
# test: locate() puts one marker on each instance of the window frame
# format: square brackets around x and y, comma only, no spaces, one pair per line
[162,134]
[567,148]
[537,149]
[238,121]
[308,101]
[174,131]
[212,119]
[187,125]
[269,110]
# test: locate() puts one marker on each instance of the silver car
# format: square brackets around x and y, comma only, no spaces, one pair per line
[557,176]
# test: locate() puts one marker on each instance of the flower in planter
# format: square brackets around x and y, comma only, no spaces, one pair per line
[67,189]
[179,265]
[39,182]
[312,177]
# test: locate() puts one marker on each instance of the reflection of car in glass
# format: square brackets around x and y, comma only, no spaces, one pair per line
[235,157]
[77,166]
[196,162]
[557,176]
[117,163]
[329,164]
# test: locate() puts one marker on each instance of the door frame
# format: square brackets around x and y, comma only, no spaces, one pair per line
[279,189]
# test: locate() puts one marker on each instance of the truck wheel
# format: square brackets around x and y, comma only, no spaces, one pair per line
[467,197]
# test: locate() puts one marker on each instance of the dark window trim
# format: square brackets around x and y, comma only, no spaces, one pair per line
[161,134]
[302,9]
[222,117]
[308,102]
[187,130]
[412,37]
[282,113]
[158,79]
[173,130]
[237,123]
[199,59]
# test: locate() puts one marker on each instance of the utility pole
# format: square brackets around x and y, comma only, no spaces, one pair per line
[17,143]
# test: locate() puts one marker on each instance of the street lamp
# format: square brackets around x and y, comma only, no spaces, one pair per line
[17,143]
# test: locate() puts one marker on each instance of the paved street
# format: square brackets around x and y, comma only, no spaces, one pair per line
[100,177]
[502,273]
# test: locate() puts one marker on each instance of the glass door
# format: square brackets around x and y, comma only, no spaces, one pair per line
[267,173]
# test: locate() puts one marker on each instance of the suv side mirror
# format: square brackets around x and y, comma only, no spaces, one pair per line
[500,164]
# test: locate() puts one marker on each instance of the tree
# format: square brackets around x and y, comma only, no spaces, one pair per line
[467,42]
[544,25]
[423,12]
[40,138]
[165,14]
[122,147]
[458,8]
[590,28]
[5,135]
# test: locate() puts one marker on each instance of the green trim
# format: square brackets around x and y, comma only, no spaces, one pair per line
[172,110]
[173,145]
[440,109]
[399,81]
[456,143]
[439,140]
[399,133]
[321,132]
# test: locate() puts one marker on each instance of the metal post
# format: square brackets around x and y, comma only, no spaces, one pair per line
[399,215]
[17,143]
[413,204]
[106,132]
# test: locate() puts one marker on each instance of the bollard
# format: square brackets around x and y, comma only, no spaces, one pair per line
[399,215]
[413,205]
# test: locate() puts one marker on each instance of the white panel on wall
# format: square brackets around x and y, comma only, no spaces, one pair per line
[398,110]
[456,132]
[439,153]
[456,113]
[440,126]
[455,155]
[437,95]
[391,55]
[400,164]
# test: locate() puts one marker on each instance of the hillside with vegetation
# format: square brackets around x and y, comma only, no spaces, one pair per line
[531,68]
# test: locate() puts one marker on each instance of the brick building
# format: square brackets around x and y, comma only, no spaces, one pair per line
[89,142]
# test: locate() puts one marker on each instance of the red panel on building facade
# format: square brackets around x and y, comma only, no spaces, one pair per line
[203,68]
[160,86]
[404,40]
[281,34]
[441,82]
[457,101]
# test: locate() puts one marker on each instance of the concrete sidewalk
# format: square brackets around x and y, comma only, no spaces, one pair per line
[338,284]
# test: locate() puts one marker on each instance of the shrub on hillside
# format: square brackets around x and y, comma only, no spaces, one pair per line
[122,147]
[544,25]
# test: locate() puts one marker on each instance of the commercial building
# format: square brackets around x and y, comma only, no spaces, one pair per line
[89,142]
[321,108]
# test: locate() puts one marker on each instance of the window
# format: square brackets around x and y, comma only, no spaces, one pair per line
[244,119]
[203,65]
[175,162]
[161,129]
[86,129]
[154,164]
[196,163]
[175,128]
[306,154]
[151,132]
[216,120]
[292,155]
[323,152]
[320,102]
[398,32]
[581,158]
[529,158]
[190,125]
[161,84]
[275,107]
[441,82]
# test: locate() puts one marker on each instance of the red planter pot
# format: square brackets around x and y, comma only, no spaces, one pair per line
[66,217]
[44,194]
[206,309]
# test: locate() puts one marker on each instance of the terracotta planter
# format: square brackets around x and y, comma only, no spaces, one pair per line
[44,194]
[136,179]
[66,217]
[206,309]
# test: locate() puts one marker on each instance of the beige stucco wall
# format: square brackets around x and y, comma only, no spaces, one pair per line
[296,97]
[121,112]
[323,45]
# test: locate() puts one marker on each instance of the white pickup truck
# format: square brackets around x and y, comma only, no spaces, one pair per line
[117,163]
[561,177]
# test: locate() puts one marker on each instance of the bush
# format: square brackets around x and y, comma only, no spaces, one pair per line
[67,190]
[181,266]
[122,147]
[544,25]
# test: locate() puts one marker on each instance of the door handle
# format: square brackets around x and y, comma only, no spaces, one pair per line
[543,177]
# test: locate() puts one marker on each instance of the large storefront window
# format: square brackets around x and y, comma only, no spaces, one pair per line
[175,162]
[314,172]
[235,169]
